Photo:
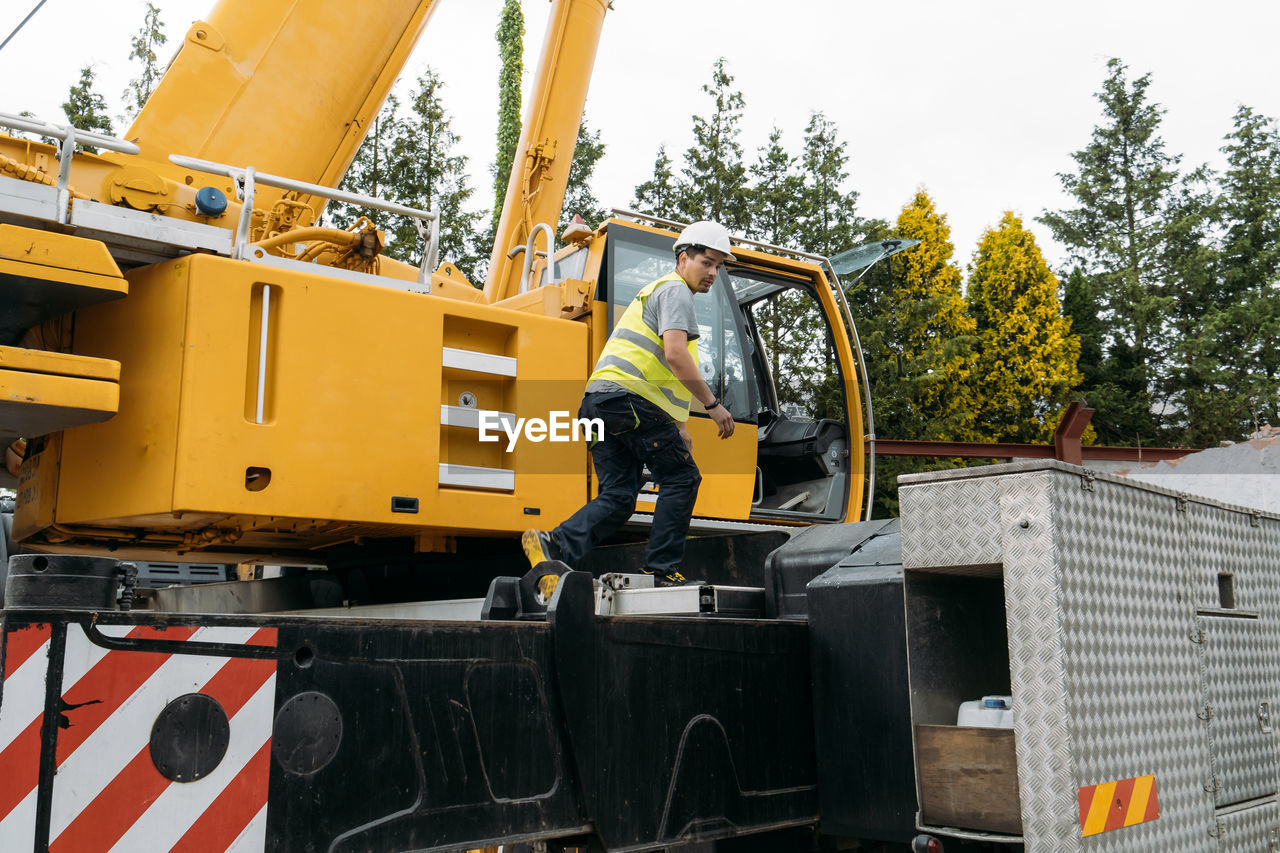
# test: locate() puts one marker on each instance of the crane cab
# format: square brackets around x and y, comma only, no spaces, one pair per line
[775,347]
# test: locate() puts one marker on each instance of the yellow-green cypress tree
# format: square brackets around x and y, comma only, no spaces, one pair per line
[930,334]
[1026,354]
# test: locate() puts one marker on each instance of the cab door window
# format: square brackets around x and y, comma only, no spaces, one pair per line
[803,452]
[636,258]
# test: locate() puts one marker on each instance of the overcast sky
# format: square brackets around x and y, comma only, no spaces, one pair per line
[980,102]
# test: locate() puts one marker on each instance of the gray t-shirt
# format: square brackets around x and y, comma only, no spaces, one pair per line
[668,307]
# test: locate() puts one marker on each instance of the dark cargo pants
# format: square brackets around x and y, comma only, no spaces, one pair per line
[636,433]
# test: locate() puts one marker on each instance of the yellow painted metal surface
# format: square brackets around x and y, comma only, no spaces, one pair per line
[18,359]
[540,171]
[37,486]
[34,404]
[63,252]
[728,468]
[354,383]
[316,71]
[345,422]
[42,275]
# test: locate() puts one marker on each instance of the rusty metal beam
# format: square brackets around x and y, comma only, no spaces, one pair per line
[1066,445]
[1066,436]
[985,450]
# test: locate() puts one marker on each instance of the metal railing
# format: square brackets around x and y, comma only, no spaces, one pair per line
[530,252]
[246,178]
[67,137]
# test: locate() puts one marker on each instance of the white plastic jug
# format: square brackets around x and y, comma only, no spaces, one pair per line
[992,712]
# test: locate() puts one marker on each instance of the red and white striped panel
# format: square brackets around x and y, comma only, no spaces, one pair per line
[107,794]
[26,659]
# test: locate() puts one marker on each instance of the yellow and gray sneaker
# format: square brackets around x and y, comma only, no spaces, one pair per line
[538,546]
[668,578]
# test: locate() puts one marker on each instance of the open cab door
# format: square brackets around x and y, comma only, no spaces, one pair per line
[775,349]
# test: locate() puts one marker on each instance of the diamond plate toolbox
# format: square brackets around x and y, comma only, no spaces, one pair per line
[1137,630]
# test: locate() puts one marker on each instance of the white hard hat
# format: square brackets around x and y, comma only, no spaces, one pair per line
[711,235]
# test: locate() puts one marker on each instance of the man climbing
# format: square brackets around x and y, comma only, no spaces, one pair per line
[642,388]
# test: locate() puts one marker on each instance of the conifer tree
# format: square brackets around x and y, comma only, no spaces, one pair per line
[776,195]
[410,157]
[829,219]
[659,196]
[1247,312]
[714,175]
[1191,274]
[918,340]
[85,108]
[1026,355]
[791,325]
[930,335]
[510,37]
[428,173]
[1080,304]
[144,43]
[369,172]
[1121,236]
[578,197]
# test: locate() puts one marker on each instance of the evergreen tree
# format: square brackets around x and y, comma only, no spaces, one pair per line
[714,175]
[410,158]
[918,341]
[578,198]
[427,173]
[777,195]
[1190,271]
[510,37]
[1081,305]
[1249,211]
[1122,237]
[144,44]
[85,108]
[1251,203]
[369,172]
[1026,355]
[930,335]
[829,221]
[791,325]
[659,196]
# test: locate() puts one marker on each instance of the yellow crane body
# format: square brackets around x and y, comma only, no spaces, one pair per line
[258,383]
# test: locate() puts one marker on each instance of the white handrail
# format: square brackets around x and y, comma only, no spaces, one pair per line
[31,124]
[67,137]
[249,177]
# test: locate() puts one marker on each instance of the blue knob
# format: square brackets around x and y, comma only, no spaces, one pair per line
[211,201]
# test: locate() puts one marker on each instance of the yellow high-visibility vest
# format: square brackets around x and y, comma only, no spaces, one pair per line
[634,357]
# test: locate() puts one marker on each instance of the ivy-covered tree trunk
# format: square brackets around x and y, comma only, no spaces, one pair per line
[510,37]
[1026,364]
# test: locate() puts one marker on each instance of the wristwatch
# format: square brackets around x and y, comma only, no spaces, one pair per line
[715,401]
